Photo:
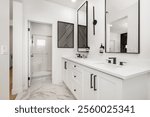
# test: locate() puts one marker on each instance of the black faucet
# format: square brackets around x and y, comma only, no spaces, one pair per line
[79,55]
[114,59]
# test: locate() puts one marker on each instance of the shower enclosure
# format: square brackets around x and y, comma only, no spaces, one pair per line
[40,51]
[41,56]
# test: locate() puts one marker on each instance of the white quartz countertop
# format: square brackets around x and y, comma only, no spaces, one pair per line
[122,72]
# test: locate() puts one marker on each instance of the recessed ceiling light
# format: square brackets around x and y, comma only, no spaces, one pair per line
[73,0]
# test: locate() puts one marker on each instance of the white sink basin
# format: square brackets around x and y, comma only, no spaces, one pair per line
[108,66]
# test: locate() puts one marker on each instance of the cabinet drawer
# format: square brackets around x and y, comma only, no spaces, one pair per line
[77,91]
[77,76]
[76,67]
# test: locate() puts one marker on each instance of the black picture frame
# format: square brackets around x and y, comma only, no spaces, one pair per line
[78,40]
[66,41]
[138,31]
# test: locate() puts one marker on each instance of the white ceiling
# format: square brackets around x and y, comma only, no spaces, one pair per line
[68,3]
[118,5]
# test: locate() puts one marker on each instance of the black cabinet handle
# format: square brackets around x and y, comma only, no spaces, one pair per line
[91,81]
[75,66]
[75,90]
[65,66]
[95,83]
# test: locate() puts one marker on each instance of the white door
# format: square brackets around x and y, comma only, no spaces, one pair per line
[110,87]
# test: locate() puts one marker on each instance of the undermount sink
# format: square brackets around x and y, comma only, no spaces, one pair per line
[107,65]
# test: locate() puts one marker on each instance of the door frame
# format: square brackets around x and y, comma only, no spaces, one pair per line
[29,49]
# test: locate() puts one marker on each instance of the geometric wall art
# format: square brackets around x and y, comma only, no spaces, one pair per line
[65,35]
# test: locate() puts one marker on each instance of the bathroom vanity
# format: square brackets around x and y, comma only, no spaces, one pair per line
[94,80]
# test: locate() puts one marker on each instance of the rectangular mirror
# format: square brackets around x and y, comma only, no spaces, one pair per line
[122,26]
[82,24]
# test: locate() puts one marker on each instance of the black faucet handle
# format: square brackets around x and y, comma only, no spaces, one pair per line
[79,55]
[114,59]
[108,60]
[122,63]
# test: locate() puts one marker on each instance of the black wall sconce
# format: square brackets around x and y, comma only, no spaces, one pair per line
[94,20]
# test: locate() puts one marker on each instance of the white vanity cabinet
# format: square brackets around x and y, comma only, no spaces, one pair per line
[100,86]
[89,83]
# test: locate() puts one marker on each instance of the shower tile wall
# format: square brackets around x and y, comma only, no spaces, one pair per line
[41,49]
[41,54]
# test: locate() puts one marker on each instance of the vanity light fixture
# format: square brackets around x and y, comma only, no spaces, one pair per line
[94,20]
[73,0]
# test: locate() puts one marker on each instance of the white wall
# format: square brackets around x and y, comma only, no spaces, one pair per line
[43,11]
[4,40]
[94,41]
[17,46]
[133,29]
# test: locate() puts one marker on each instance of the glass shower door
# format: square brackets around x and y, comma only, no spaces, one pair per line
[40,56]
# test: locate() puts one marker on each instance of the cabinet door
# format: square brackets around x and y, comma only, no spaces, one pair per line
[110,87]
[90,85]
[66,72]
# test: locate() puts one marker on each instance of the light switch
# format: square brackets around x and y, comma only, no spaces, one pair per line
[3,50]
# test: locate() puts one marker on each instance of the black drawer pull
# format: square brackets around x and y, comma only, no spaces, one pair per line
[91,81]
[95,83]
[75,66]
[65,66]
[75,90]
[75,76]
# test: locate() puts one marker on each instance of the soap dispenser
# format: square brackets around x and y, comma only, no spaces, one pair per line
[102,48]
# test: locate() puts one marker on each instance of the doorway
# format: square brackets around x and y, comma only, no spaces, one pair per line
[40,51]
[123,44]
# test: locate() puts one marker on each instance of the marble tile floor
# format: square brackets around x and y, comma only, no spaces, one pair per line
[43,89]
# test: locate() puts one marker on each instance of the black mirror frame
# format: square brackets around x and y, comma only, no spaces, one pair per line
[138,31]
[86,2]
